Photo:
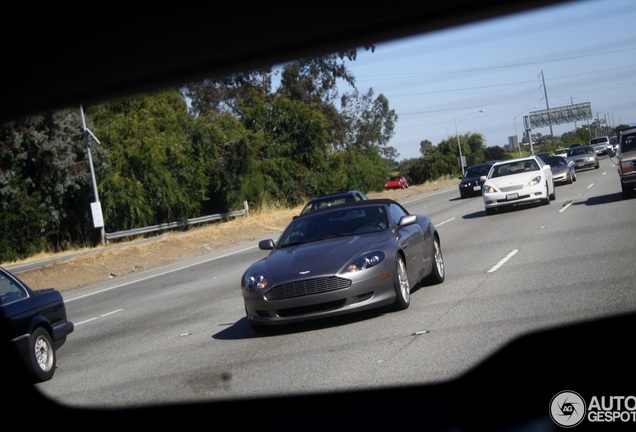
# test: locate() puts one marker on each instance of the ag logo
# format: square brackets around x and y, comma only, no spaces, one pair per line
[567,409]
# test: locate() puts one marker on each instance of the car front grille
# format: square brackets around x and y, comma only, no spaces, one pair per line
[511,188]
[307,287]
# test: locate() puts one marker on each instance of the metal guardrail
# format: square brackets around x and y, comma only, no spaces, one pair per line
[178,224]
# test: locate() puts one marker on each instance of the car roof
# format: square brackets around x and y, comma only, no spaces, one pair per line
[75,63]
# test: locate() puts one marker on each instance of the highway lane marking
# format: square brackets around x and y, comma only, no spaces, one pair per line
[98,317]
[565,206]
[426,195]
[158,274]
[447,220]
[503,261]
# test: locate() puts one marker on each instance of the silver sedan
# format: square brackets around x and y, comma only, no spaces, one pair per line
[343,259]
[563,171]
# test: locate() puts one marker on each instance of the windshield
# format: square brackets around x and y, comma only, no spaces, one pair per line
[477,171]
[602,140]
[517,167]
[580,151]
[628,143]
[335,223]
[555,161]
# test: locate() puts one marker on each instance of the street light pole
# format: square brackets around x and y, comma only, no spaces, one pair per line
[459,146]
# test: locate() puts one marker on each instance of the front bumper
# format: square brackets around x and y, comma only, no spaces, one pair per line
[518,196]
[470,189]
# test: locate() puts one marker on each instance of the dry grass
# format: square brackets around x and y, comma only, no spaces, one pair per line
[91,265]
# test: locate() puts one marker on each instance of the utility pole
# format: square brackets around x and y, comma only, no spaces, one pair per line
[526,124]
[547,105]
[96,207]
[459,146]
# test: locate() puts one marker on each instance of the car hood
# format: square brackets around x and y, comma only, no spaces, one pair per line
[559,168]
[513,179]
[320,258]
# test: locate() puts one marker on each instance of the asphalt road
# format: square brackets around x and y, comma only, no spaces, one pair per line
[178,333]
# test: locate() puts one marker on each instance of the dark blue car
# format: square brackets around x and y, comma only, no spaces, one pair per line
[37,324]
[470,185]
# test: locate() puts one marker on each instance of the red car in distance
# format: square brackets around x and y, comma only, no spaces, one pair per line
[396,183]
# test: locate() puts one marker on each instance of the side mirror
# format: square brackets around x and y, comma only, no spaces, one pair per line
[407,220]
[266,244]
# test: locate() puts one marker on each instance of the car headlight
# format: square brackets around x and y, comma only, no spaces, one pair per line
[489,189]
[535,181]
[365,261]
[255,281]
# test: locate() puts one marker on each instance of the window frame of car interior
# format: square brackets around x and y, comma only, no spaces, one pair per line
[68,61]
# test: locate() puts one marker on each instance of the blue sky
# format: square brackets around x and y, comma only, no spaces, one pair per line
[585,51]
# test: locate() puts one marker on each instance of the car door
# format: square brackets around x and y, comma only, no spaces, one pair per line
[411,240]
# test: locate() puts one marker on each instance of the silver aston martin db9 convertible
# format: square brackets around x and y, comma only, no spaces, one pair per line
[342,259]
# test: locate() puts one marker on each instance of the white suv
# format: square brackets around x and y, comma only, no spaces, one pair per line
[604,141]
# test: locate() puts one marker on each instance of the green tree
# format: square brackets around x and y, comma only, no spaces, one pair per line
[151,178]
[434,165]
[226,93]
[45,184]
[425,147]
[369,122]
[494,153]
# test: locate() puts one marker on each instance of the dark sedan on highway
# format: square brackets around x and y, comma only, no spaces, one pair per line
[37,324]
[471,183]
[342,259]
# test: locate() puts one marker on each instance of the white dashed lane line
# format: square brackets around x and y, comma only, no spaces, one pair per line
[503,261]
[98,317]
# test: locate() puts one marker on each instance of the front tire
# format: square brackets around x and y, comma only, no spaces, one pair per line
[553,194]
[438,272]
[401,285]
[546,200]
[41,359]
